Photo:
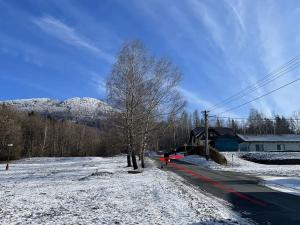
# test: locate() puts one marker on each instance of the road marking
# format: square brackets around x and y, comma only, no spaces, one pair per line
[218,185]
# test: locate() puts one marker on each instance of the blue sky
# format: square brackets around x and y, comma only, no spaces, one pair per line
[61,49]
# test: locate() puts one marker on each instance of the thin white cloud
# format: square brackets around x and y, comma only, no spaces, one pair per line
[277,44]
[194,99]
[205,15]
[262,35]
[236,8]
[19,48]
[30,84]
[98,82]
[69,35]
[201,103]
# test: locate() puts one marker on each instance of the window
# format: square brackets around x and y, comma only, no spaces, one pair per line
[280,147]
[259,147]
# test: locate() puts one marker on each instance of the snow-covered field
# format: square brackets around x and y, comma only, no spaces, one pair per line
[100,191]
[280,177]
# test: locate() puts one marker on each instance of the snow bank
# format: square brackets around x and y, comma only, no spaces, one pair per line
[235,163]
[272,155]
[198,160]
[289,185]
[273,158]
[100,191]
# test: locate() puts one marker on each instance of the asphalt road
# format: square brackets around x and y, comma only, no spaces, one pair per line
[257,202]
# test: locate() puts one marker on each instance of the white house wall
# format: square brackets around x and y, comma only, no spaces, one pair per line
[270,146]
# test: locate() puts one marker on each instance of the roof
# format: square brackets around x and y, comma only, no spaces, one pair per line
[270,138]
[223,131]
[199,131]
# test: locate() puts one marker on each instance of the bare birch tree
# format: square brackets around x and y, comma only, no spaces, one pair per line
[143,89]
[161,97]
[125,90]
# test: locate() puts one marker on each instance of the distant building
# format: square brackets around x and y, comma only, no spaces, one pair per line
[221,138]
[284,142]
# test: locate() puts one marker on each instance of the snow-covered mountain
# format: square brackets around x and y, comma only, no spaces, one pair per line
[74,108]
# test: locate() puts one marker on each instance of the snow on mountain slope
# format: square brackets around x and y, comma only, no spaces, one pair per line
[86,106]
[34,104]
[73,108]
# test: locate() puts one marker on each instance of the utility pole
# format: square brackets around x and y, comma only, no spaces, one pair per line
[205,113]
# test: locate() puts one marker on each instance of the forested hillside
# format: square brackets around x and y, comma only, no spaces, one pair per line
[34,135]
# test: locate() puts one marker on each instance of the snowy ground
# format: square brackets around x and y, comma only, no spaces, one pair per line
[280,177]
[240,165]
[289,185]
[100,191]
[272,155]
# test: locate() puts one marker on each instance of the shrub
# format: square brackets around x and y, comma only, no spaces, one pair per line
[214,154]
[217,156]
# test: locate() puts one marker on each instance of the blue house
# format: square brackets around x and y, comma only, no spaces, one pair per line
[221,138]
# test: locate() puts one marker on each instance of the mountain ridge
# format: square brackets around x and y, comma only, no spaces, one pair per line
[76,108]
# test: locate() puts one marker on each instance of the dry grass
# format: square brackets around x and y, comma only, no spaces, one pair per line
[214,154]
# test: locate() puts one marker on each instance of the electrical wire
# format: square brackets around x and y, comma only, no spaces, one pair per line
[261,96]
[257,87]
[240,118]
[284,69]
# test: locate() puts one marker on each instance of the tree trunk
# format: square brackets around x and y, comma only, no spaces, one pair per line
[143,161]
[128,160]
[134,163]
[144,144]
[44,139]
[142,155]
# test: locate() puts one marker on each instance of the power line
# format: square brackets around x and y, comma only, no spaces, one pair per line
[261,96]
[228,117]
[251,90]
[285,68]
[262,79]
[240,118]
[259,86]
